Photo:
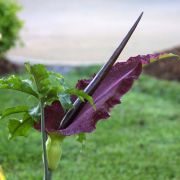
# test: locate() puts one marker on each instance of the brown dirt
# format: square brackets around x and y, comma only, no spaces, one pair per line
[167,69]
[7,67]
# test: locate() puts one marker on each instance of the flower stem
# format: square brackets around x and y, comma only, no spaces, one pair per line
[44,137]
[50,174]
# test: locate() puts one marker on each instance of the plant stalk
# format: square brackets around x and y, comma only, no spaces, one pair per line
[44,137]
[50,175]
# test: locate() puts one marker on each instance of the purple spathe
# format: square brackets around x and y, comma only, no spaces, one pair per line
[116,83]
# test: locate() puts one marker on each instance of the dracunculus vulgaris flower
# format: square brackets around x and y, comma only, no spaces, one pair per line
[108,93]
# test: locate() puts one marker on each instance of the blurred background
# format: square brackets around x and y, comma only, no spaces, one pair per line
[87,32]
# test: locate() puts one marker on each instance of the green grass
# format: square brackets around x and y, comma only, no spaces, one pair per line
[141,140]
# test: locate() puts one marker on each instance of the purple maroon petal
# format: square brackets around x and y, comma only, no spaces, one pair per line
[53,115]
[83,83]
[146,59]
[116,83]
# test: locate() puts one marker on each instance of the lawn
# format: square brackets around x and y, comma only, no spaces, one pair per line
[141,140]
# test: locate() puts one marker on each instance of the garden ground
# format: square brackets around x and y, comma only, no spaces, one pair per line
[140,141]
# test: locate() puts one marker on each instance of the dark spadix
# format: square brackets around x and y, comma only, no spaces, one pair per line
[68,118]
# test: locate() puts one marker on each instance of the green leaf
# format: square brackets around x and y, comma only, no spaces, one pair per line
[14,110]
[52,86]
[15,83]
[27,67]
[81,95]
[54,74]
[65,101]
[81,138]
[35,112]
[20,128]
[38,71]
[48,83]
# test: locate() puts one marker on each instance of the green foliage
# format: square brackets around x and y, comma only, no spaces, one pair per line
[20,127]
[81,137]
[48,84]
[16,83]
[65,100]
[10,25]
[45,86]
[14,110]
[81,95]
[51,86]
[35,112]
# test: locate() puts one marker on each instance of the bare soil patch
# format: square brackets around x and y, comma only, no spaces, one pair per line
[7,67]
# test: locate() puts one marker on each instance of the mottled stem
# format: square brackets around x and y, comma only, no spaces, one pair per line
[50,175]
[44,137]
